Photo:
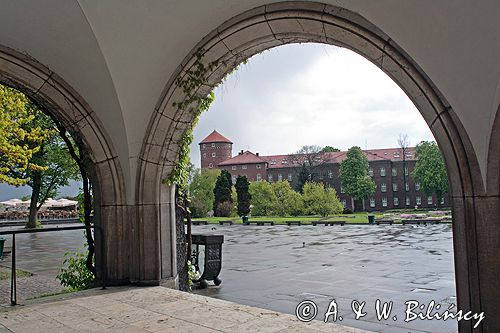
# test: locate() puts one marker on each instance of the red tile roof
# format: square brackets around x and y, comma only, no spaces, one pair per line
[215,137]
[246,157]
[295,160]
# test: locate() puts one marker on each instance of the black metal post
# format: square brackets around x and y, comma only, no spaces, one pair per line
[13,287]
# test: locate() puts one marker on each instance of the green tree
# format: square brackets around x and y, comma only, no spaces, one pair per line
[243,195]
[222,193]
[19,140]
[263,198]
[319,200]
[329,149]
[354,175]
[288,202]
[304,177]
[430,170]
[201,190]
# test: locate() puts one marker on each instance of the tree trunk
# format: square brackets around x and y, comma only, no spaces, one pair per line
[35,195]
[87,207]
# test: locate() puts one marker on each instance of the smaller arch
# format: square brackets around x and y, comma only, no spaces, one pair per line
[56,97]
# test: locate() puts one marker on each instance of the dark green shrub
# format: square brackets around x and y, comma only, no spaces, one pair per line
[347,211]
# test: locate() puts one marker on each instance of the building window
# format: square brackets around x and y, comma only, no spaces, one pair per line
[394,187]
[204,154]
[418,200]
[372,202]
[383,187]
[213,145]
[243,167]
[370,172]
[344,203]
[280,177]
[203,146]
[290,177]
[233,167]
[382,171]
[233,177]
[213,154]
[330,174]
[270,178]
[211,165]
[417,186]
[258,166]
[442,201]
[406,171]
[396,201]
[407,201]
[259,177]
[342,189]
[429,200]
[394,172]
[320,176]
[407,187]
[384,202]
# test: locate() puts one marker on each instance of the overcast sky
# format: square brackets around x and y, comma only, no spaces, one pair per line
[310,94]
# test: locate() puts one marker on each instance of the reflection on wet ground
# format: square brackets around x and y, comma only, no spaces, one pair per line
[278,267]
[41,254]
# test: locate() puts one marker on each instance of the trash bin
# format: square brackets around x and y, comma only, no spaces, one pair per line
[207,258]
[245,219]
[371,219]
[2,242]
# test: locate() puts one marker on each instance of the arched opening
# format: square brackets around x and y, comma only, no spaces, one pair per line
[293,22]
[55,97]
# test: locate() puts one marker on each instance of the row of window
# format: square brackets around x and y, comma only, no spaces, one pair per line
[211,145]
[214,155]
[395,187]
[418,201]
[244,167]
[394,171]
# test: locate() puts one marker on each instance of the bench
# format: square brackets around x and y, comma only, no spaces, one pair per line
[261,222]
[289,223]
[421,221]
[226,222]
[384,221]
[199,222]
[328,223]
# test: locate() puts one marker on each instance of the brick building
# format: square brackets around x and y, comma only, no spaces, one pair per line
[386,169]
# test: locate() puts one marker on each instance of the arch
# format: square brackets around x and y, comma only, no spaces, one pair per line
[282,23]
[56,97]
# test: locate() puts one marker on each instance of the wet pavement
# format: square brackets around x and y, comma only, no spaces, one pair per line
[41,254]
[278,267]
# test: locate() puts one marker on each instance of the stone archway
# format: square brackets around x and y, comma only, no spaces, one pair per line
[52,93]
[299,22]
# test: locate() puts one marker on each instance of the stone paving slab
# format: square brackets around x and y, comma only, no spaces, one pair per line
[153,309]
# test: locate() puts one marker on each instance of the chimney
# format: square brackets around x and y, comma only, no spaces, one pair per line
[241,152]
[257,154]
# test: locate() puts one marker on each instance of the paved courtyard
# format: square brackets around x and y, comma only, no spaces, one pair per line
[278,267]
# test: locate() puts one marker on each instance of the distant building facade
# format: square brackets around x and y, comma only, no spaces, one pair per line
[385,168]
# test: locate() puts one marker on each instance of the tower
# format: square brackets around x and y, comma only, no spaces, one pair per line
[215,149]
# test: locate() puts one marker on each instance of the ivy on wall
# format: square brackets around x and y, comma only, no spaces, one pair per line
[194,78]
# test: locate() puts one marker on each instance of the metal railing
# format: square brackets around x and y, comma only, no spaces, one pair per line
[13,286]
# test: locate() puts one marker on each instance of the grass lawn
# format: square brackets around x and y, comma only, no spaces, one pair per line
[349,218]
[5,273]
